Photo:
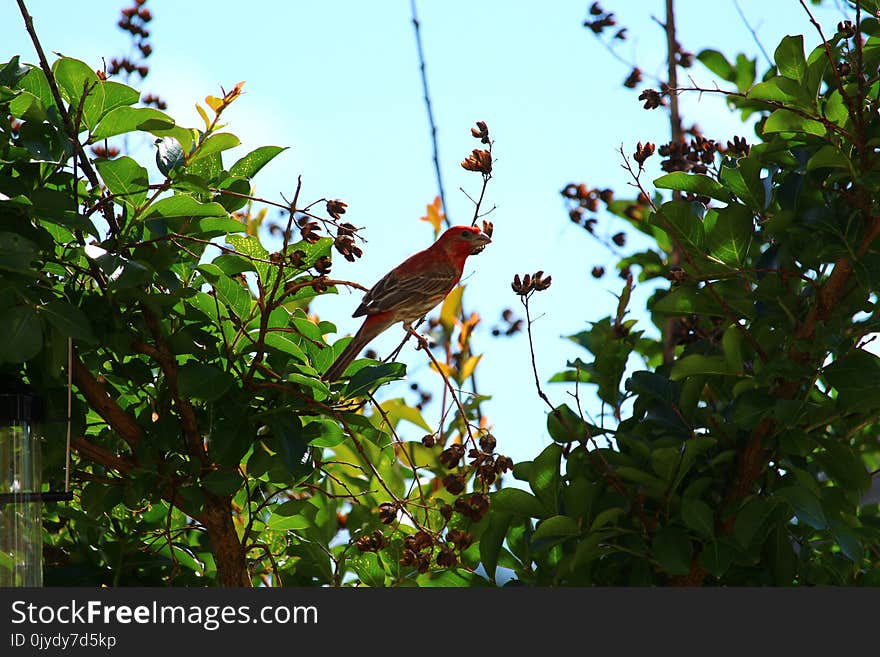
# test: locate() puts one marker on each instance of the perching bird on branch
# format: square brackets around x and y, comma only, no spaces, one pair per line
[410,290]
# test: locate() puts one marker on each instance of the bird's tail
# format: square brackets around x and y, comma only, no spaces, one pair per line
[369,330]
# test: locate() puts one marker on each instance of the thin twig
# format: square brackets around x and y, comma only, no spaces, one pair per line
[541,393]
[78,151]
[751,30]
[709,287]
[424,344]
[431,123]
[416,481]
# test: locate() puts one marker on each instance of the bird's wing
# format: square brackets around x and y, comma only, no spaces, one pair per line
[423,290]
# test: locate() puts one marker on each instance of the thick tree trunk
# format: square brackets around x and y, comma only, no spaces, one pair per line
[228,551]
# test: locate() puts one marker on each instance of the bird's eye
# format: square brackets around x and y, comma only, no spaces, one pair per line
[466,233]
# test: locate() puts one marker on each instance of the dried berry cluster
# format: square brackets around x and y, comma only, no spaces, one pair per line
[581,199]
[372,542]
[134,20]
[695,155]
[481,132]
[424,396]
[99,150]
[530,283]
[422,548]
[632,80]
[846,29]
[600,20]
[345,233]
[652,98]
[738,147]
[691,328]
[480,160]
[643,152]
[419,548]
[513,323]
[309,230]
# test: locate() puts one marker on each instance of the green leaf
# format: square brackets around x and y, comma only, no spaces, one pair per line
[292,443]
[718,64]
[745,72]
[783,120]
[281,342]
[517,502]
[183,205]
[717,556]
[565,426]
[751,520]
[17,253]
[673,549]
[329,433]
[372,376]
[69,320]
[397,410]
[850,544]
[790,59]
[233,192]
[553,531]
[778,90]
[12,72]
[690,300]
[209,227]
[695,364]
[232,293]
[855,378]
[697,515]
[369,569]
[75,77]
[492,539]
[805,504]
[205,382]
[27,106]
[129,119]
[214,144]
[250,164]
[250,246]
[36,83]
[105,97]
[731,235]
[695,183]
[844,465]
[731,344]
[544,477]
[222,482]
[287,523]
[744,180]
[605,517]
[835,109]
[684,221]
[125,178]
[22,335]
[829,157]
[779,555]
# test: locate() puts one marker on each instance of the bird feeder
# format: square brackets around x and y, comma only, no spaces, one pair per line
[21,483]
[21,526]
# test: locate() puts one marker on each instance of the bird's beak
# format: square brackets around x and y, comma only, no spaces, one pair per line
[480,242]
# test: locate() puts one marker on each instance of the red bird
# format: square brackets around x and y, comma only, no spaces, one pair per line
[410,290]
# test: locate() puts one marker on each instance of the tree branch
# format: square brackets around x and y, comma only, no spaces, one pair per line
[99,400]
[433,126]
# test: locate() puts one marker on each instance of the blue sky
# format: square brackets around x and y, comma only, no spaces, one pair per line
[338,82]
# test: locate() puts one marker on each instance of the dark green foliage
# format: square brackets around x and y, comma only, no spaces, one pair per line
[745,459]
